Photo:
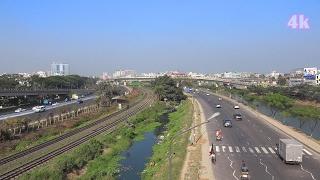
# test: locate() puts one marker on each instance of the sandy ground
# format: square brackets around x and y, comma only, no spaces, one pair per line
[197,164]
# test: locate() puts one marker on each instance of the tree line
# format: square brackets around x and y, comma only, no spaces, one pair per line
[168,89]
[16,81]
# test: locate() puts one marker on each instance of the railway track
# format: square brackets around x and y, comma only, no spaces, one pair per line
[114,119]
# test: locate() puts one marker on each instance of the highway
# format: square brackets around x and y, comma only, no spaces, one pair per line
[86,100]
[253,141]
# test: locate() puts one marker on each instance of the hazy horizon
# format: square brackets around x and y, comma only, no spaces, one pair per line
[155,36]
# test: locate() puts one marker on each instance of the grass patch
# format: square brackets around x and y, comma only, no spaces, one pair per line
[101,165]
[157,168]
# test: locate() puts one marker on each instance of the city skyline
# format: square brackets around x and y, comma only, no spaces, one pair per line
[207,36]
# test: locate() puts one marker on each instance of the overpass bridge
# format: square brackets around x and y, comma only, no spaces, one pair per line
[236,82]
[42,92]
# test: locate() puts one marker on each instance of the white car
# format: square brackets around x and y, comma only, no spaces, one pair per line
[39,108]
[19,110]
[236,107]
[54,104]
[218,106]
[220,99]
[208,94]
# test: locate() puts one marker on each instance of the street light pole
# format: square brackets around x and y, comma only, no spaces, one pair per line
[180,133]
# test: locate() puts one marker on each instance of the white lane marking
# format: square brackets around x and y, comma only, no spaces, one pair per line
[251,150]
[266,169]
[264,150]
[237,149]
[217,149]
[230,149]
[223,148]
[257,149]
[234,171]
[271,150]
[307,172]
[244,149]
[306,151]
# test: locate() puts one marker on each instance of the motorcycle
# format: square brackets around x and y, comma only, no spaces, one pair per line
[244,175]
[213,158]
[219,138]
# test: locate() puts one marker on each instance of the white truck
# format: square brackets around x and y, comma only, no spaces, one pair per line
[290,151]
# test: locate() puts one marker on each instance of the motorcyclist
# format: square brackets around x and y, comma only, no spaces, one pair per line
[244,168]
[212,153]
[211,150]
[219,133]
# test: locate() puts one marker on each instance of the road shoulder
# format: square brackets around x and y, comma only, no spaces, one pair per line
[197,164]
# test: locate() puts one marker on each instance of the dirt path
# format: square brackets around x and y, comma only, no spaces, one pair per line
[197,164]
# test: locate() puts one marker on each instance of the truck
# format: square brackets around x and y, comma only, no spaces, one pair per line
[290,151]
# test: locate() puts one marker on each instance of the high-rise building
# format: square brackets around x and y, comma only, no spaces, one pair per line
[59,69]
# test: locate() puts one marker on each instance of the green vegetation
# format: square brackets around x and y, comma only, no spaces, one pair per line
[166,89]
[63,82]
[66,163]
[303,92]
[157,168]
[304,114]
[277,102]
[11,81]
[37,137]
[106,91]
[101,156]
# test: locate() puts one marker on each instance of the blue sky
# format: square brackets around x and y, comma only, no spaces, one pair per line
[209,36]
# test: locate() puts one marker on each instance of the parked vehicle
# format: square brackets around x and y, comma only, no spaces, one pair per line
[55,103]
[290,151]
[220,99]
[208,94]
[218,106]
[39,108]
[236,107]
[227,123]
[19,110]
[237,116]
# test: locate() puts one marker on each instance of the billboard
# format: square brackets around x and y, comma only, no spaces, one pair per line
[310,73]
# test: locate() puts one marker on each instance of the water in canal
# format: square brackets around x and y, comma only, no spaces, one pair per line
[136,157]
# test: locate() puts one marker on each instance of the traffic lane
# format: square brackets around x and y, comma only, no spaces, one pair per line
[59,109]
[309,164]
[233,138]
[228,165]
[221,166]
[267,135]
[51,109]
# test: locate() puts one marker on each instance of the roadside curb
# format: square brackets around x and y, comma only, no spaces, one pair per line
[301,137]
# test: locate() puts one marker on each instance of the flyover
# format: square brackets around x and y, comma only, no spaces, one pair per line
[236,82]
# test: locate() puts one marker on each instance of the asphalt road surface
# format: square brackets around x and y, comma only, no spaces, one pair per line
[49,109]
[253,141]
